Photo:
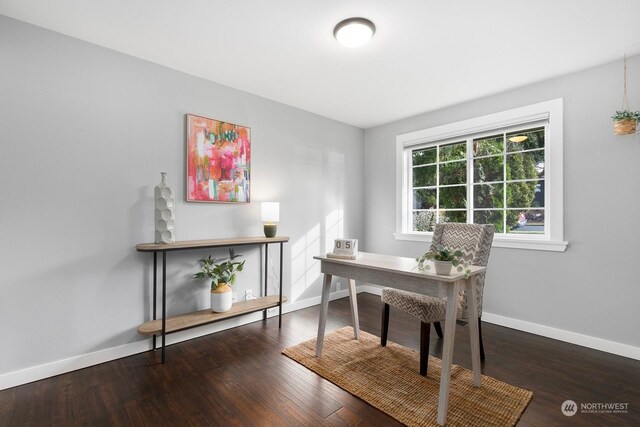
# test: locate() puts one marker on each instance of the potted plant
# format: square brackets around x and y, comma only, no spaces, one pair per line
[222,273]
[444,259]
[625,122]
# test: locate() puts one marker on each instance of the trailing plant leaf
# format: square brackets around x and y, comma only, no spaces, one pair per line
[444,254]
[626,115]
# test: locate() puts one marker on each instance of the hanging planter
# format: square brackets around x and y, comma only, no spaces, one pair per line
[625,121]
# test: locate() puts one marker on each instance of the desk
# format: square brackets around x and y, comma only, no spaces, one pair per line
[400,273]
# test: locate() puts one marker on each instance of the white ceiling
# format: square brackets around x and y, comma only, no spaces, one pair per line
[425,55]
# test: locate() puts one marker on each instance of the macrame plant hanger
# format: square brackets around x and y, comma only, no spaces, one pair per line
[625,121]
[625,97]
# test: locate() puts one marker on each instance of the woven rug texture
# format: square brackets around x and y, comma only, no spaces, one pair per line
[388,379]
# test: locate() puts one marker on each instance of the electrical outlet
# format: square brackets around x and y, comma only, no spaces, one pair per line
[234,296]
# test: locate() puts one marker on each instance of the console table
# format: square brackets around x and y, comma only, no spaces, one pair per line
[184,321]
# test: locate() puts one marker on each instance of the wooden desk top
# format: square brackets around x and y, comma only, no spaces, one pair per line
[399,265]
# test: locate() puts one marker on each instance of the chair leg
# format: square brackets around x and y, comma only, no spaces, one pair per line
[480,337]
[425,331]
[438,328]
[385,325]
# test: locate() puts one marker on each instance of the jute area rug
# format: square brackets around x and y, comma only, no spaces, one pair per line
[388,379]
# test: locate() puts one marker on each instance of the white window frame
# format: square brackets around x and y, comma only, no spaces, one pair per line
[551,114]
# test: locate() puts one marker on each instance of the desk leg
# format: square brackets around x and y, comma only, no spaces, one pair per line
[447,351]
[354,308]
[324,306]
[472,305]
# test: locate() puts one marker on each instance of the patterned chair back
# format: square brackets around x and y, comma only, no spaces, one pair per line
[474,241]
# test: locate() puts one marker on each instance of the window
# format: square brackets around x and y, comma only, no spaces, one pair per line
[490,170]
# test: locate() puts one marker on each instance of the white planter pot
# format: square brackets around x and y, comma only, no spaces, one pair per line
[221,301]
[443,268]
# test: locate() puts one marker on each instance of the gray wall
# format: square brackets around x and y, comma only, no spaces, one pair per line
[593,288]
[84,135]
[85,131]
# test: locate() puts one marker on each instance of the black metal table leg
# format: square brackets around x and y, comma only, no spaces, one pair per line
[164,302]
[155,292]
[280,304]
[266,276]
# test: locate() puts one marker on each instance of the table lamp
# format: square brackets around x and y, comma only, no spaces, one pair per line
[270,217]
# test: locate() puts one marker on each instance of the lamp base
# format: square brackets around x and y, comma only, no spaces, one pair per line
[270,230]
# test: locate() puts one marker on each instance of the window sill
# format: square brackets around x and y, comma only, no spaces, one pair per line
[498,242]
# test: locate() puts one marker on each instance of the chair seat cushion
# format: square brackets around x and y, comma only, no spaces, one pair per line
[424,307]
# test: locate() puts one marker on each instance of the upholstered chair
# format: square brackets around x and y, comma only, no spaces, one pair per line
[474,241]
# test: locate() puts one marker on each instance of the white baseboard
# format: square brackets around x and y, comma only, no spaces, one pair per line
[299,305]
[563,335]
[370,289]
[35,373]
[546,331]
[46,370]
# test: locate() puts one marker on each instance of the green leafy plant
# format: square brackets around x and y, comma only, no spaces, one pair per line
[221,270]
[444,254]
[626,115]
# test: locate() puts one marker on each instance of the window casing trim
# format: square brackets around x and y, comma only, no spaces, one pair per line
[533,243]
[550,112]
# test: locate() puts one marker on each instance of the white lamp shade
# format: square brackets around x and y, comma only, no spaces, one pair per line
[270,211]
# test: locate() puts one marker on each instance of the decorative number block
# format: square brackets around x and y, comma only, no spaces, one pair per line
[345,247]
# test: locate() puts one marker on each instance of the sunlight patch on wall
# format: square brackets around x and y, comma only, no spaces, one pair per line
[334,226]
[304,269]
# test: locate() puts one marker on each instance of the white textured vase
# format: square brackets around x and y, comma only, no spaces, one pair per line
[165,211]
[443,268]
[221,302]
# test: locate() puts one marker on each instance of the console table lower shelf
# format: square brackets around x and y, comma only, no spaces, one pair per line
[204,317]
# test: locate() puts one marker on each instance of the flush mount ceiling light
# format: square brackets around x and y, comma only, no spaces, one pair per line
[518,138]
[354,32]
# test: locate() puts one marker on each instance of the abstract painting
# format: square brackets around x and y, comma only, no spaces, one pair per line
[218,160]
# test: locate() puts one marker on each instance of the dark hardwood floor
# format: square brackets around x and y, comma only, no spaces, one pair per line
[239,378]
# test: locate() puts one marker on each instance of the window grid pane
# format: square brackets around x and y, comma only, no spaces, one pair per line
[439,174]
[526,139]
[498,181]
